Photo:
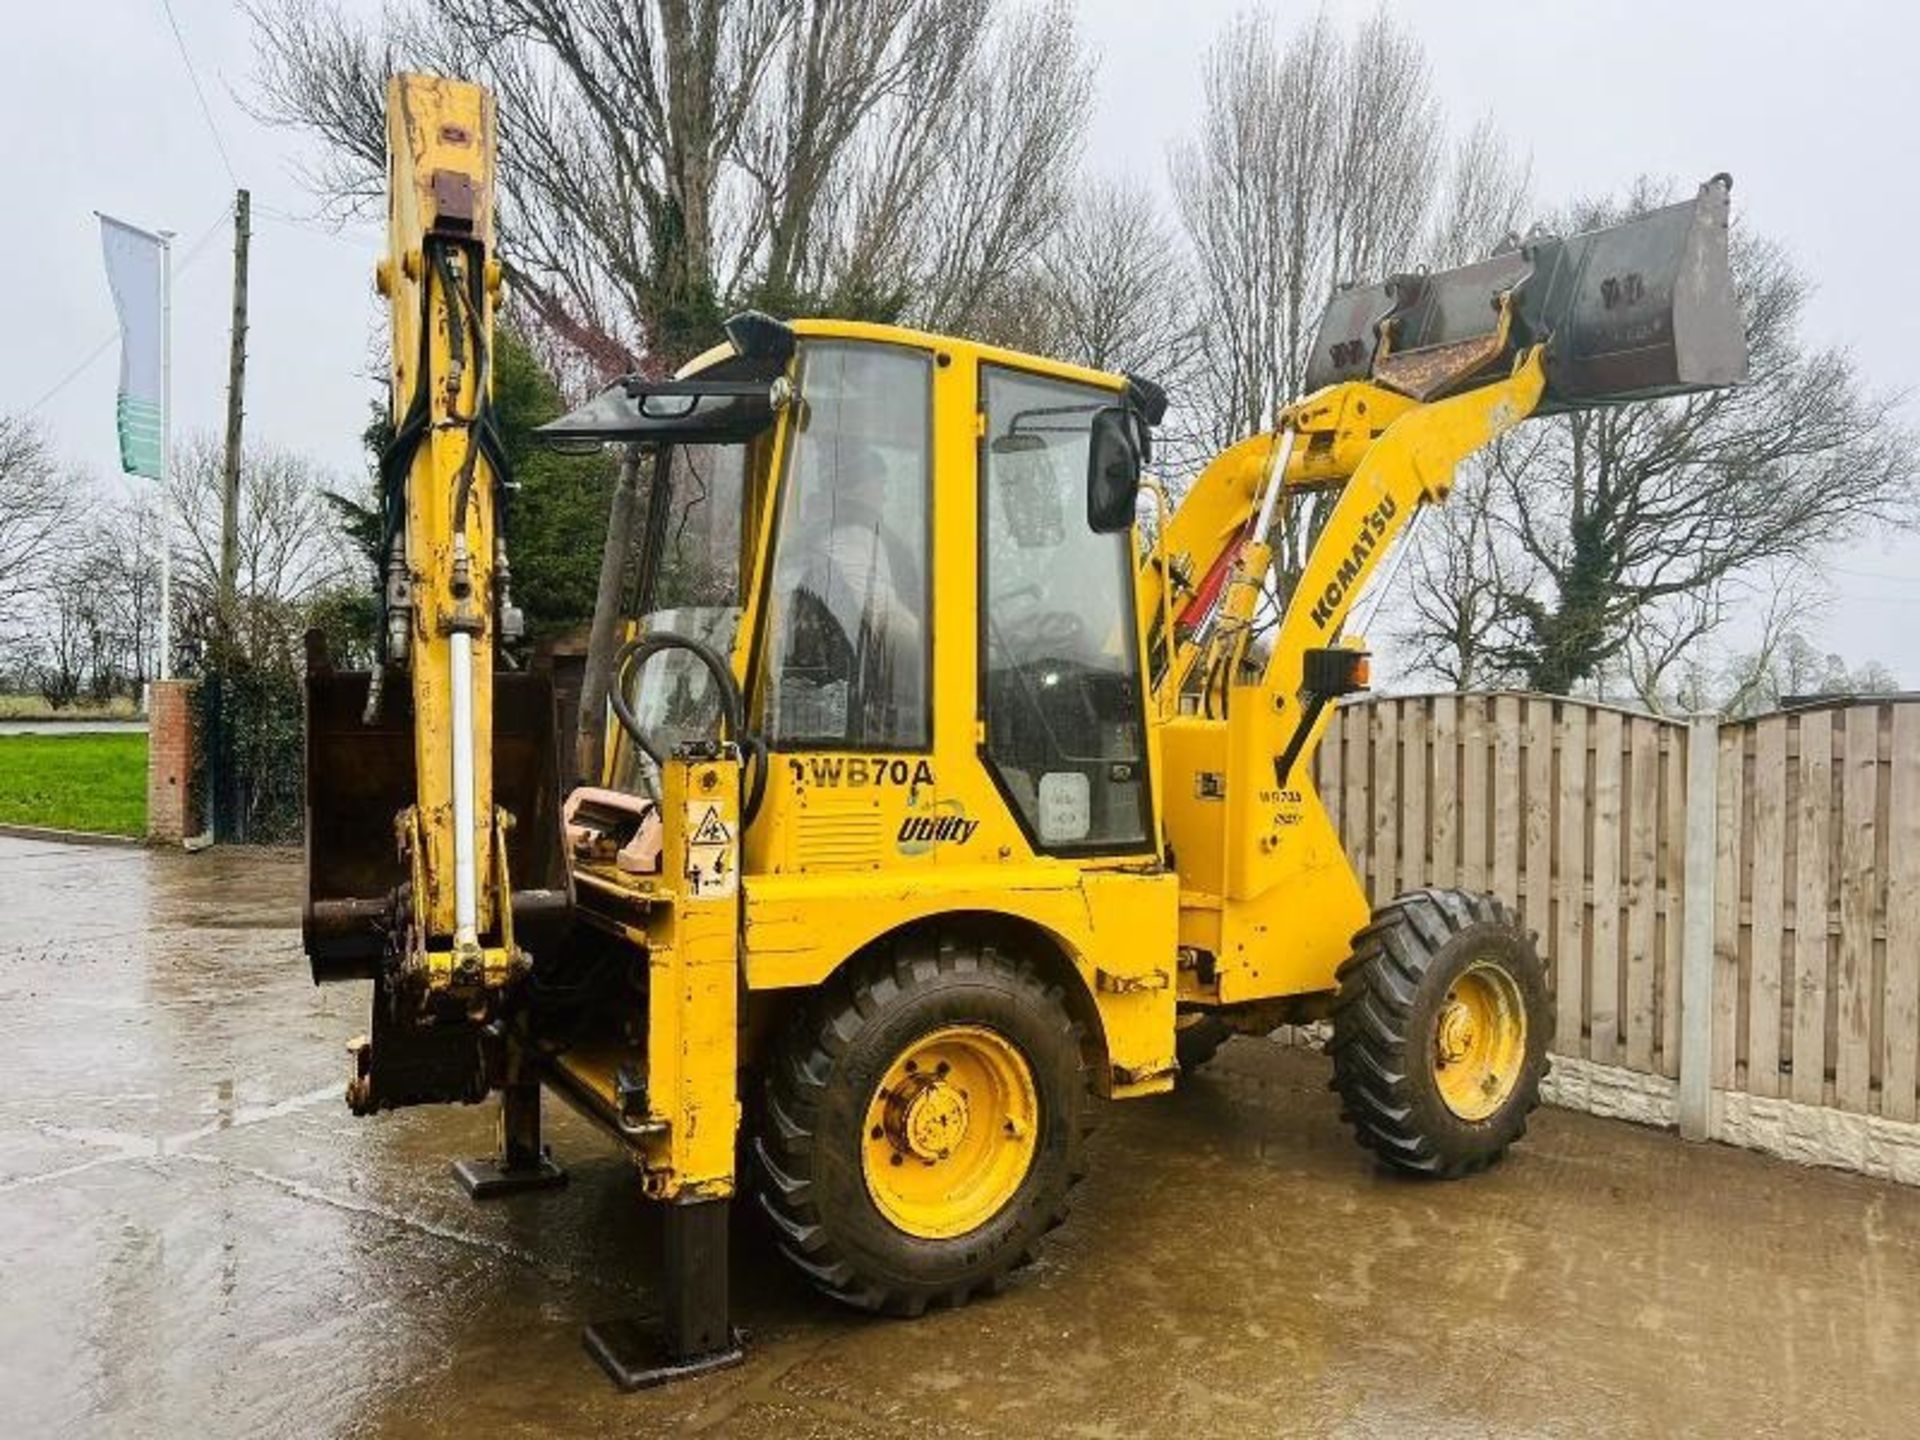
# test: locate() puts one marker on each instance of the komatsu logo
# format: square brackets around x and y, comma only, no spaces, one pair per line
[1372,529]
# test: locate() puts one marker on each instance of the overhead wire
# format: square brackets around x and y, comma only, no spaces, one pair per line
[193,77]
[193,251]
[260,207]
[1871,575]
[308,225]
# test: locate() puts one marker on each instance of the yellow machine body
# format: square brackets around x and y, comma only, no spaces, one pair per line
[1244,893]
[853,845]
[1081,788]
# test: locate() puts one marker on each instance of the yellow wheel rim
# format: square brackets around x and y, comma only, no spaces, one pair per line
[950,1132]
[1479,1041]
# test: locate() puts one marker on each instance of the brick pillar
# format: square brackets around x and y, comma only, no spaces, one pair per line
[171,810]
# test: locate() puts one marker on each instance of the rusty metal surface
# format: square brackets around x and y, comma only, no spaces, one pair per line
[1423,374]
[197,1239]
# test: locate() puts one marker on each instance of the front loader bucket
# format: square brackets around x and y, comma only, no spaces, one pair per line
[1635,311]
[360,776]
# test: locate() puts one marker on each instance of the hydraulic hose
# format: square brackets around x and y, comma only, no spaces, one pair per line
[753,749]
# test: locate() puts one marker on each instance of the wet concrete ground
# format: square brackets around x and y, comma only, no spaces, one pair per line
[196,1238]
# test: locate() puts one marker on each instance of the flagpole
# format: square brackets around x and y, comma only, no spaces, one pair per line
[166,454]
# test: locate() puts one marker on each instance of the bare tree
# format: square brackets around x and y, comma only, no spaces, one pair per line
[661,161]
[1114,285]
[1786,665]
[1315,164]
[1799,668]
[1620,539]
[126,561]
[1007,167]
[1455,589]
[1319,161]
[1672,662]
[95,613]
[292,553]
[37,508]
[62,641]
[1247,189]
[1487,196]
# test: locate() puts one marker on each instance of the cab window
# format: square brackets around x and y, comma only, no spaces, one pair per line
[847,637]
[1060,683]
[689,583]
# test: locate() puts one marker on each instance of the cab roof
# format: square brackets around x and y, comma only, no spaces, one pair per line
[827,328]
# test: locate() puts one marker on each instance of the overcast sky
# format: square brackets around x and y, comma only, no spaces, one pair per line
[1810,109]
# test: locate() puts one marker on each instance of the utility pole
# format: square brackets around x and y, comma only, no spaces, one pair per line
[227,602]
[224,808]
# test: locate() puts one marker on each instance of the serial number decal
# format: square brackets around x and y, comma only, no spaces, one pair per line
[854,771]
[1288,801]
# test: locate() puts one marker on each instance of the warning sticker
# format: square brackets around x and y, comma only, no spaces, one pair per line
[711,871]
[710,829]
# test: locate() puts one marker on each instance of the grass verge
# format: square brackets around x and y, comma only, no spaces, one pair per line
[75,782]
[32,707]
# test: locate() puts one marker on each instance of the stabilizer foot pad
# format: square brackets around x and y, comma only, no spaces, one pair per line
[487,1178]
[635,1358]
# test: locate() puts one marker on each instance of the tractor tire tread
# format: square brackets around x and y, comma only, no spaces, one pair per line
[1377,1056]
[795,1085]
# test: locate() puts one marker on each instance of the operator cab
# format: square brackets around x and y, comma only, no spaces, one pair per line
[788,532]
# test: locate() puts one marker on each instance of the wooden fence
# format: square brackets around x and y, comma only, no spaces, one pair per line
[1578,815]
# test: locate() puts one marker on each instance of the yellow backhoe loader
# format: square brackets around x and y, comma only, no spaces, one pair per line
[938,792]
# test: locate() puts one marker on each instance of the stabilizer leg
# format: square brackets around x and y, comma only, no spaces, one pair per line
[522,1162]
[696,1335]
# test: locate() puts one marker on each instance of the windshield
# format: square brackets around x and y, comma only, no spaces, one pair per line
[687,582]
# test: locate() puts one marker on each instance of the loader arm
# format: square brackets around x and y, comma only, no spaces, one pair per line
[1417,374]
[1637,310]
[1254,846]
[1354,439]
[1208,569]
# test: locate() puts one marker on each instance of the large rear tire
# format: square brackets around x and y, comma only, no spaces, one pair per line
[1440,1032]
[922,1124]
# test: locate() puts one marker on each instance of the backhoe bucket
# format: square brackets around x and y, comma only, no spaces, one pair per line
[1635,311]
[360,776]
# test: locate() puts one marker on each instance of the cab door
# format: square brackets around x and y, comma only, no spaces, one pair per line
[1062,707]
[844,693]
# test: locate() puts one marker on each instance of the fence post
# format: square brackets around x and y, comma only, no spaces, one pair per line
[1696,936]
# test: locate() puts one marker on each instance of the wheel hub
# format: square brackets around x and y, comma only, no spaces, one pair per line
[929,1121]
[1456,1032]
[950,1131]
[1480,1040]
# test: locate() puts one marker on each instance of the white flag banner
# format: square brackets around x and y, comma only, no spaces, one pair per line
[135,267]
